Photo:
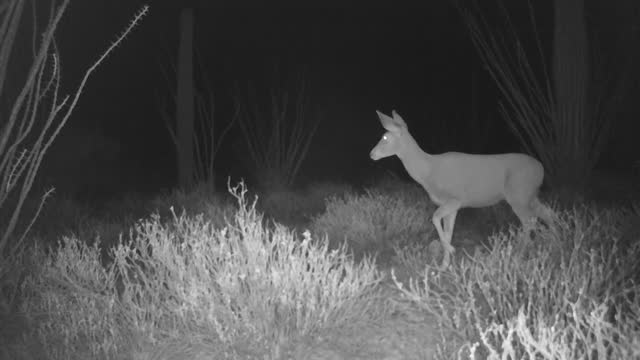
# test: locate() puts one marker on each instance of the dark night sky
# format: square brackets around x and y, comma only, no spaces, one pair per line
[415,57]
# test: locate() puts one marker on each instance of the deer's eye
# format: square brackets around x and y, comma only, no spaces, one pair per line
[385,138]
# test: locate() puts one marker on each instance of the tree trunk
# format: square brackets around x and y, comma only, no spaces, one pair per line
[571,81]
[185,101]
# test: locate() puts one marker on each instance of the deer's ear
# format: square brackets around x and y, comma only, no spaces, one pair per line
[397,119]
[388,122]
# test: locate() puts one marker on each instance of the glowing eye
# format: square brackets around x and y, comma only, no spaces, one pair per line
[384,137]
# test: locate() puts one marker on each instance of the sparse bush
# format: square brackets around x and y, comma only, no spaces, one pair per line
[374,220]
[71,301]
[65,216]
[320,191]
[393,186]
[298,207]
[288,207]
[585,331]
[199,200]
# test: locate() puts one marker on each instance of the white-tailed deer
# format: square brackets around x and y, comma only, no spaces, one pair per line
[455,180]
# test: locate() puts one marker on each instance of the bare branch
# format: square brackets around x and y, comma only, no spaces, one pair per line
[24,169]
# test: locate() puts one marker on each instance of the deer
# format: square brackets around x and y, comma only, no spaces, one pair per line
[455,180]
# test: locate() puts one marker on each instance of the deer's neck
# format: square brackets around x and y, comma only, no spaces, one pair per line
[415,160]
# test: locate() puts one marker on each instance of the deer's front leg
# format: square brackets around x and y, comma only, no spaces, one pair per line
[448,211]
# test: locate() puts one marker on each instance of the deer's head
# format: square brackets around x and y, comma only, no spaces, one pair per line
[394,140]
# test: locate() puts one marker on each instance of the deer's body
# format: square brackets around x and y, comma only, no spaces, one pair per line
[474,180]
[455,180]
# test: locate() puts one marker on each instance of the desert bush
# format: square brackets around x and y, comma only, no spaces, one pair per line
[241,287]
[563,281]
[242,281]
